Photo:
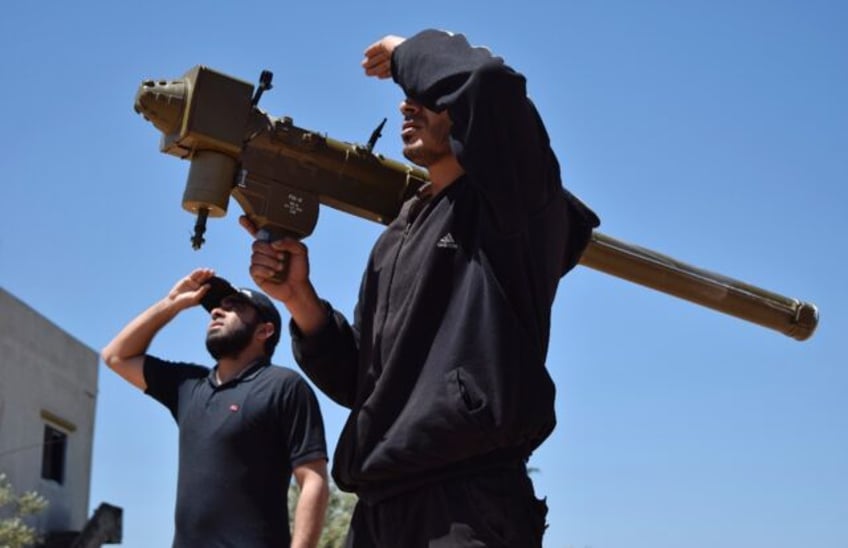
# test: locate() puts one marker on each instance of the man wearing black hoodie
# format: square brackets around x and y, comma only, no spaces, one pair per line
[443,367]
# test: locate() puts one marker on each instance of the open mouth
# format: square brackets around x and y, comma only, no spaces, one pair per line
[407,132]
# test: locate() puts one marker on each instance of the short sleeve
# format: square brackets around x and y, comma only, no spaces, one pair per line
[164,379]
[305,425]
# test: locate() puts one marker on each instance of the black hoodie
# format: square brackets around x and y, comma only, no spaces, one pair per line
[444,366]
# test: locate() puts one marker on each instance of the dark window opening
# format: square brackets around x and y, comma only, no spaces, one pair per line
[53,454]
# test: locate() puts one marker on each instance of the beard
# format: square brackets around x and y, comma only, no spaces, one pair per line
[430,142]
[230,344]
[425,155]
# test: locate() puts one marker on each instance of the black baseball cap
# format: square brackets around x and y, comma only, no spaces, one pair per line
[219,288]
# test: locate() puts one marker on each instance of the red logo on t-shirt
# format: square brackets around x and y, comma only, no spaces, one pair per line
[234,407]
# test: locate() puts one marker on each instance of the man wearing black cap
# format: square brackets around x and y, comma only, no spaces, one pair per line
[245,426]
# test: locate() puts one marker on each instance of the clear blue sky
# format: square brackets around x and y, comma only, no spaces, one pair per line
[712,131]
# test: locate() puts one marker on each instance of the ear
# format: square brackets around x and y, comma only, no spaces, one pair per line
[264,331]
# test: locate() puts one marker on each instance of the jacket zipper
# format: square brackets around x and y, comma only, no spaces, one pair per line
[387,306]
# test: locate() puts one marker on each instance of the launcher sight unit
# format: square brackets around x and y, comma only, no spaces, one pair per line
[279,174]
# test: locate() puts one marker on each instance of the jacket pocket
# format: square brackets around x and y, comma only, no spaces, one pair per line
[470,400]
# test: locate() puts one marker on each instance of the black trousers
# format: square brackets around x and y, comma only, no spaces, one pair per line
[496,508]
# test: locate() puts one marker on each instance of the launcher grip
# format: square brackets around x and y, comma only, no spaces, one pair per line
[270,235]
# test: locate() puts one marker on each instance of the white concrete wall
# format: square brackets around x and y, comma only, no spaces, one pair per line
[45,371]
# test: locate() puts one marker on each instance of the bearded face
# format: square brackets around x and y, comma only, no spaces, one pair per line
[425,134]
[230,332]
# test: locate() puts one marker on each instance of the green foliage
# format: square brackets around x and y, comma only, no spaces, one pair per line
[339,511]
[14,530]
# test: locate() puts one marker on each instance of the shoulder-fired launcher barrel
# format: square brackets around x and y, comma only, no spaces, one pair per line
[279,174]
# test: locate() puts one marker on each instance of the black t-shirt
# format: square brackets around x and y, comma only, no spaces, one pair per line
[238,445]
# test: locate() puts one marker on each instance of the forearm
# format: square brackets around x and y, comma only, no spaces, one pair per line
[439,69]
[310,512]
[329,357]
[307,310]
[496,133]
[135,338]
[125,353]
